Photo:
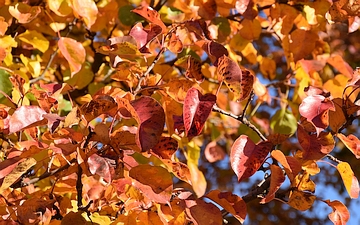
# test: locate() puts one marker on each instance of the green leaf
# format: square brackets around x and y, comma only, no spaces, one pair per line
[5,84]
[127,17]
[283,122]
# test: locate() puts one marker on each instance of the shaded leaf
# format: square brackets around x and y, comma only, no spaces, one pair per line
[336,117]
[291,165]
[98,165]
[283,122]
[214,152]
[315,147]
[230,202]
[340,214]
[24,13]
[144,35]
[246,157]
[201,212]
[351,142]
[350,181]
[207,8]
[5,83]
[25,117]
[73,52]
[123,139]
[303,43]
[194,70]
[103,104]
[196,110]
[151,122]
[198,180]
[341,65]
[174,44]
[35,210]
[36,39]
[276,180]
[213,49]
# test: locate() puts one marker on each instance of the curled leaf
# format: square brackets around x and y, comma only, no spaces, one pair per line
[351,142]
[277,178]
[340,214]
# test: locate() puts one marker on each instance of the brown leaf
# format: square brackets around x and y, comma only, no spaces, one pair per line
[73,52]
[336,117]
[246,157]
[303,43]
[301,200]
[194,70]
[196,110]
[213,49]
[214,152]
[230,202]
[125,140]
[35,210]
[165,148]
[201,212]
[207,8]
[340,214]
[103,104]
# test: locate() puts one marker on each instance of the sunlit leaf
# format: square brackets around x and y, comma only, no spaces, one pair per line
[60,7]
[25,117]
[276,180]
[340,214]
[351,142]
[196,110]
[85,9]
[230,202]
[151,15]
[165,148]
[301,200]
[291,165]
[24,13]
[246,157]
[73,52]
[350,181]
[36,39]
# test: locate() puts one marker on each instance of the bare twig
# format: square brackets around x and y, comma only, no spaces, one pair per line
[142,78]
[79,186]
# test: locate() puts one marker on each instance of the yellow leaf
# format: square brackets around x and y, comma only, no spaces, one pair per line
[59,7]
[336,85]
[3,26]
[73,52]
[36,39]
[301,200]
[33,66]
[251,29]
[350,181]
[86,9]
[268,67]
[16,173]
[82,78]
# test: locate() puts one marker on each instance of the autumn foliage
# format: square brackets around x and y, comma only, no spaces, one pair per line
[156,112]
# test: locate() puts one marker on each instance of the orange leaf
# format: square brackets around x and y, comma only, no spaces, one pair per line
[350,181]
[239,81]
[351,142]
[201,212]
[246,157]
[277,178]
[151,15]
[230,202]
[303,43]
[194,70]
[207,8]
[340,214]
[174,44]
[214,152]
[24,13]
[301,200]
[73,52]
[87,10]
[165,148]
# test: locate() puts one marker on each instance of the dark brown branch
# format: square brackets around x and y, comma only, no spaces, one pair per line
[79,186]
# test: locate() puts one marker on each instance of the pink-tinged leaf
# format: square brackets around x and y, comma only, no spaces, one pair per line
[73,52]
[341,65]
[242,5]
[291,165]
[151,15]
[144,35]
[315,108]
[196,110]
[350,181]
[246,157]
[277,178]
[8,165]
[24,13]
[315,146]
[151,122]
[201,212]
[98,165]
[214,152]
[157,179]
[340,214]
[87,10]
[352,143]
[230,202]
[165,148]
[25,117]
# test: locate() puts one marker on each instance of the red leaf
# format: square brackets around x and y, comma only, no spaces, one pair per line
[144,35]
[246,157]
[315,147]
[194,70]
[340,214]
[277,178]
[25,117]
[230,202]
[151,122]
[73,52]
[315,109]
[151,15]
[98,165]
[196,110]
[213,49]
[352,143]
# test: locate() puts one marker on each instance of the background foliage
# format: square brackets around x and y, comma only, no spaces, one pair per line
[179,112]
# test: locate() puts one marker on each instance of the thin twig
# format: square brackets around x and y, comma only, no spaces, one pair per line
[42,75]
[79,186]
[142,78]
[248,102]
